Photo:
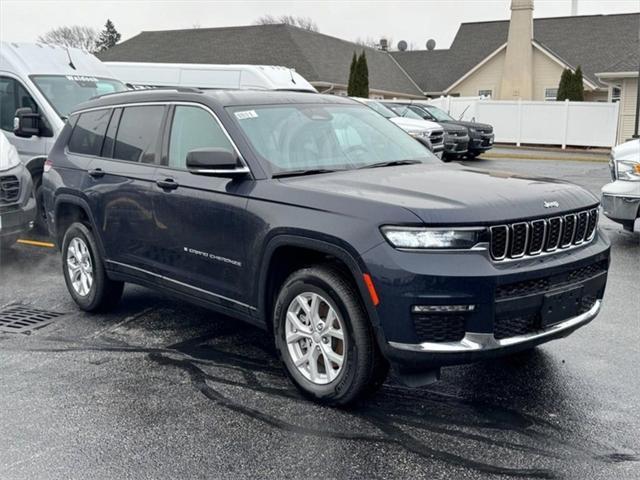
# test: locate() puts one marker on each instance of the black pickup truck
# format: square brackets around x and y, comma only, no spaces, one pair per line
[480,134]
[315,218]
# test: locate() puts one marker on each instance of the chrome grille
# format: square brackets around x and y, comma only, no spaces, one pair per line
[436,137]
[9,189]
[543,235]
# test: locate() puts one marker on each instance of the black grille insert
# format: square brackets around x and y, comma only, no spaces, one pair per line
[9,189]
[548,234]
[439,328]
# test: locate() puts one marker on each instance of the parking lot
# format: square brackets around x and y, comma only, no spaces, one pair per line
[162,389]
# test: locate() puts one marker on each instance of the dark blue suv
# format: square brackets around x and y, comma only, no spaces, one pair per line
[315,218]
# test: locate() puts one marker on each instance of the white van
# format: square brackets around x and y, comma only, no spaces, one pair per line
[39,85]
[206,76]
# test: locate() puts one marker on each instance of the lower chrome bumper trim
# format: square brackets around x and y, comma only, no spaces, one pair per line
[479,342]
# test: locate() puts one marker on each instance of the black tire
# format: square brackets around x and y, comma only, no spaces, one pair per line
[40,225]
[104,293]
[364,369]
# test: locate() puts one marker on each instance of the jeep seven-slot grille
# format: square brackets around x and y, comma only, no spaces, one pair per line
[543,235]
[9,189]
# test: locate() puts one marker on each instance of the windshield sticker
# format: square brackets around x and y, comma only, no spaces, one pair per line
[246,114]
[83,81]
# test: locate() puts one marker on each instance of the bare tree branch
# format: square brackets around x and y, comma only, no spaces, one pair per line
[77,36]
[305,23]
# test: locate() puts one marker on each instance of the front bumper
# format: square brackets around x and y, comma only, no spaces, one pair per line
[621,201]
[17,213]
[511,301]
[454,145]
[481,142]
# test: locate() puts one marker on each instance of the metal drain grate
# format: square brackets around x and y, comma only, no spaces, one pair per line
[22,319]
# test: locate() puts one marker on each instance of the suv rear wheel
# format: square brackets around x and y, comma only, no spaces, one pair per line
[324,338]
[84,271]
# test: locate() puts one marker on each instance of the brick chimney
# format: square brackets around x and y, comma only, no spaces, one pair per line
[517,74]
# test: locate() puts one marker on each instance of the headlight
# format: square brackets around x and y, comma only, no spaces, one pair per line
[419,133]
[9,157]
[628,170]
[441,238]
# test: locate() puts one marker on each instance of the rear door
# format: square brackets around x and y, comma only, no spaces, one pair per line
[120,183]
[200,221]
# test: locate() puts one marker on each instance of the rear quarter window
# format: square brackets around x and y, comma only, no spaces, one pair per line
[88,133]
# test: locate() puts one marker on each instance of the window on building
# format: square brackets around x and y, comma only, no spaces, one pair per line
[88,133]
[616,92]
[550,94]
[193,128]
[485,93]
[137,138]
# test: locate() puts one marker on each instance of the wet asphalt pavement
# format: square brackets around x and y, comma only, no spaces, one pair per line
[161,389]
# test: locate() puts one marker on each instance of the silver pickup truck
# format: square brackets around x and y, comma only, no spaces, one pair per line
[621,197]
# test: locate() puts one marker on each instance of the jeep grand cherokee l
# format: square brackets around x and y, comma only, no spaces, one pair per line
[313,217]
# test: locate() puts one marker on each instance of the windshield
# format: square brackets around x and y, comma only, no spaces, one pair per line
[440,115]
[305,137]
[383,110]
[64,92]
[404,111]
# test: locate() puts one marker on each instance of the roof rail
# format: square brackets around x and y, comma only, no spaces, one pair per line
[145,89]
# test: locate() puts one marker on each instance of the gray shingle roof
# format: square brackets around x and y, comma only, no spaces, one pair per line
[591,41]
[317,57]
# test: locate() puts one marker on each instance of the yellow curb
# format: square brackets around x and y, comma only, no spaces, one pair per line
[36,243]
[520,156]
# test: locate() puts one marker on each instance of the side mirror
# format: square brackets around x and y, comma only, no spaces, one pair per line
[215,161]
[426,142]
[26,123]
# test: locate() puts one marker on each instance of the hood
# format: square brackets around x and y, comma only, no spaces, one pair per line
[627,151]
[444,194]
[414,124]
[452,128]
[476,125]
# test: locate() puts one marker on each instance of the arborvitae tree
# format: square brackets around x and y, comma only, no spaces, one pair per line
[352,72]
[577,88]
[363,75]
[565,85]
[108,37]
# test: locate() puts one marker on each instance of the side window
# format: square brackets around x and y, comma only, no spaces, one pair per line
[110,137]
[138,133]
[88,134]
[193,128]
[12,97]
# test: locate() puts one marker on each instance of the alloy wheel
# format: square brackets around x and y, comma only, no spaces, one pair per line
[80,266]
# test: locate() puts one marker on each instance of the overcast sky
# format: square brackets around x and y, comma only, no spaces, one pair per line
[413,21]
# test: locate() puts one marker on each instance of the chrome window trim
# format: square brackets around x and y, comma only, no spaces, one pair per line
[169,279]
[173,102]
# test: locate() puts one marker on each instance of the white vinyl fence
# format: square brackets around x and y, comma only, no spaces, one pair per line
[588,124]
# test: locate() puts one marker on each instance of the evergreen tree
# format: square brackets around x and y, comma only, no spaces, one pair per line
[565,84]
[577,87]
[363,76]
[352,72]
[108,37]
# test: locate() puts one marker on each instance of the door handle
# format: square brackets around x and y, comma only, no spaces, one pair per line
[96,172]
[167,184]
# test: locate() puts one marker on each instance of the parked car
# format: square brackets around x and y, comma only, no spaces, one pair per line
[621,197]
[17,204]
[256,77]
[481,135]
[417,128]
[314,218]
[39,85]
[456,137]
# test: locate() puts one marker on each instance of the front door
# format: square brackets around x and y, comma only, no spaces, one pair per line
[200,221]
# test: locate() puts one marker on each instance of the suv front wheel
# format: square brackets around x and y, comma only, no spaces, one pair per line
[325,339]
[84,271]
